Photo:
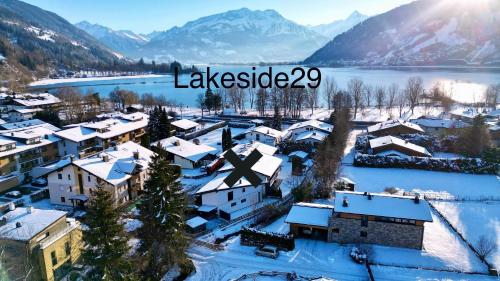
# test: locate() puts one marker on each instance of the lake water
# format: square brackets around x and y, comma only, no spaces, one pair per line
[464,85]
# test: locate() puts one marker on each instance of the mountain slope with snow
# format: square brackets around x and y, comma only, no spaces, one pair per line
[330,30]
[123,41]
[235,36]
[425,32]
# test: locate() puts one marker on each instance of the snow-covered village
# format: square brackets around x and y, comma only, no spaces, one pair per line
[352,140]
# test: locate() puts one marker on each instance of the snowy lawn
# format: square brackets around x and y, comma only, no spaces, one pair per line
[443,249]
[288,181]
[455,185]
[309,258]
[278,226]
[387,273]
[474,219]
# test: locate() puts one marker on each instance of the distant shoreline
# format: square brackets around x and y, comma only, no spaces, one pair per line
[49,82]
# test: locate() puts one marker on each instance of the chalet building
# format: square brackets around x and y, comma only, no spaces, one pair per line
[23,149]
[394,128]
[30,100]
[311,138]
[365,218]
[244,149]
[22,114]
[232,202]
[121,170]
[28,124]
[440,127]
[50,240]
[308,126]
[86,139]
[265,135]
[184,126]
[396,147]
[187,154]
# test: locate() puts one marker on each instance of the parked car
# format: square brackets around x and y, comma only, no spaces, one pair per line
[14,194]
[267,251]
[41,182]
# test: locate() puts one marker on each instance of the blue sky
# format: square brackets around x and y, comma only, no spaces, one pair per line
[149,15]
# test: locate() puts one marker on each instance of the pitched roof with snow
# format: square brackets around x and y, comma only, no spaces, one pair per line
[195,222]
[310,214]
[299,153]
[27,124]
[267,131]
[267,165]
[120,164]
[244,149]
[41,136]
[35,99]
[112,127]
[382,205]
[218,184]
[440,123]
[394,123]
[387,140]
[316,135]
[322,126]
[23,110]
[185,124]
[31,223]
[186,149]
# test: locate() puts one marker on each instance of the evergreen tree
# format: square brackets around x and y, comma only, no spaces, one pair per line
[163,125]
[229,139]
[153,124]
[49,116]
[276,122]
[475,139]
[162,213]
[105,240]
[223,140]
[209,100]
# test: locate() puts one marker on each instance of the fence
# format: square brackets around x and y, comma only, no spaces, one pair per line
[254,237]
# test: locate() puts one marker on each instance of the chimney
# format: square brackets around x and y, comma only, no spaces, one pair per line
[30,209]
[18,225]
[71,158]
[3,221]
[417,199]
[105,158]
[345,203]
[46,137]
[177,143]
[136,155]
[369,196]
[12,206]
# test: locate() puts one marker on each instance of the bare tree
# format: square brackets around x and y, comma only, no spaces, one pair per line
[414,90]
[261,101]
[380,98]
[200,102]
[368,94]
[392,93]
[251,94]
[491,95]
[485,246]
[401,102]
[355,90]
[312,98]
[330,88]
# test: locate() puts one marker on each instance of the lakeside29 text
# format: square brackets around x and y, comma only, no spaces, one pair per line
[244,80]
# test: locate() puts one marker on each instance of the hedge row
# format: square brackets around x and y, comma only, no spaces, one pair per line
[457,165]
[255,237]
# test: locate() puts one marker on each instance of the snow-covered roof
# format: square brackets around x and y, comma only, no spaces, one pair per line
[382,205]
[299,153]
[42,135]
[31,223]
[393,123]
[257,121]
[244,149]
[322,126]
[27,124]
[218,184]
[317,135]
[112,127]
[346,180]
[468,112]
[33,100]
[310,214]
[186,149]
[196,221]
[185,124]
[387,140]
[120,164]
[23,110]
[267,165]
[267,131]
[440,123]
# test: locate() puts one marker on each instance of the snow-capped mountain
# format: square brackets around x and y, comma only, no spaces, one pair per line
[235,36]
[123,41]
[330,30]
[425,32]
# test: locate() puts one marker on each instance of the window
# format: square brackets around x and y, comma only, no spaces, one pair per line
[53,257]
[363,234]
[364,221]
[257,136]
[69,177]
[88,178]
[335,230]
[243,190]
[229,196]
[243,200]
[63,199]
[70,188]
[59,176]
[67,248]
[233,204]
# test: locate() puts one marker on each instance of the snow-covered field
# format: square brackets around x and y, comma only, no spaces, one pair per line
[473,219]
[47,82]
[388,273]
